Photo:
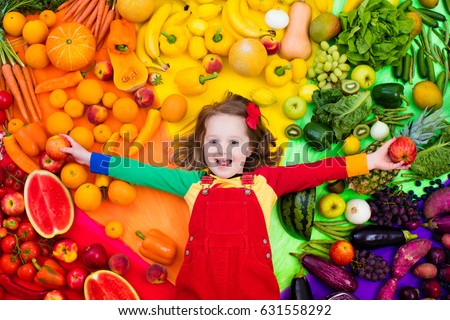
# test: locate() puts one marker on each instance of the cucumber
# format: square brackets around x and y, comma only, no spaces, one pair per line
[398,70]
[433,14]
[404,5]
[330,274]
[318,135]
[430,68]
[296,212]
[406,67]
[421,64]
[440,81]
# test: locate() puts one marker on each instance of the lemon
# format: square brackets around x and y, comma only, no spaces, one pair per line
[351,145]
[306,92]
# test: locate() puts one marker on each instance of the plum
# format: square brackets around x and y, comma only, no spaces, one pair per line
[436,256]
[409,293]
[444,273]
[156,273]
[119,263]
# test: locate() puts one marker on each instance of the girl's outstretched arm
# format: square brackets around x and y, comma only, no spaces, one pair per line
[380,159]
[79,153]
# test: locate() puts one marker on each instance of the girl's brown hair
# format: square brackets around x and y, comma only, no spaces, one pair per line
[188,151]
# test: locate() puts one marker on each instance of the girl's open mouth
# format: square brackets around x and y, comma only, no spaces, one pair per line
[223,162]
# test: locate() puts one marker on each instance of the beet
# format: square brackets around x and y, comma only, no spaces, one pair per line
[436,256]
[431,288]
[444,273]
[409,293]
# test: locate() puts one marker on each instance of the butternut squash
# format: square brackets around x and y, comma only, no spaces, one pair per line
[295,42]
[130,73]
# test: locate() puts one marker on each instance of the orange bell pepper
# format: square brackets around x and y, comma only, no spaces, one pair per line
[157,246]
[122,37]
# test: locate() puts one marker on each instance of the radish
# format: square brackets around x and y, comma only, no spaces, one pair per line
[437,203]
[408,254]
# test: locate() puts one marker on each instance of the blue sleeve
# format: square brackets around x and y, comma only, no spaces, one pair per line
[175,181]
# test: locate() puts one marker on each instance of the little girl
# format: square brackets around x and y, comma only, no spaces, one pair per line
[230,182]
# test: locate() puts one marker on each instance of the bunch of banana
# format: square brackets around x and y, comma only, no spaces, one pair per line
[236,19]
[263,97]
[208,11]
[262,5]
[141,52]
[177,18]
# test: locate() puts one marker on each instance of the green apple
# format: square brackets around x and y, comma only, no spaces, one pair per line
[365,75]
[294,107]
[331,205]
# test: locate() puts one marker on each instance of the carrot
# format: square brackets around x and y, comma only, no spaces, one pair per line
[15,90]
[30,84]
[2,81]
[20,158]
[102,7]
[81,10]
[105,26]
[68,80]
[65,5]
[89,23]
[89,9]
[17,70]
[8,114]
[74,10]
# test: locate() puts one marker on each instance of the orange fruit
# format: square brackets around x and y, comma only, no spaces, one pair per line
[121,192]
[74,108]
[48,17]
[73,175]
[417,23]
[88,197]
[83,136]
[35,31]
[128,131]
[36,56]
[247,57]
[426,94]
[58,97]
[102,133]
[114,229]
[125,109]
[13,23]
[59,122]
[14,125]
[174,108]
[89,91]
[109,98]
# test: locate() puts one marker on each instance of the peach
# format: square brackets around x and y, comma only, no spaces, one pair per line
[144,97]
[271,44]
[212,63]
[52,146]
[119,263]
[97,114]
[156,273]
[103,70]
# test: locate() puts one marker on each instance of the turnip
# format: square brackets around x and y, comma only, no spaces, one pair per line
[437,203]
[408,255]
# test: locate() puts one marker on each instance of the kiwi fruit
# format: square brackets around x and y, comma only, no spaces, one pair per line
[337,186]
[349,87]
[293,131]
[361,131]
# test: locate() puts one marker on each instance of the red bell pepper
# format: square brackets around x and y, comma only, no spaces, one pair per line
[50,275]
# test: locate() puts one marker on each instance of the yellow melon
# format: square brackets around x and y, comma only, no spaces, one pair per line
[135,10]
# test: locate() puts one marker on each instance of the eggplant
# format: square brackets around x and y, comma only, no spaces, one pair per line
[341,295]
[300,289]
[439,223]
[376,236]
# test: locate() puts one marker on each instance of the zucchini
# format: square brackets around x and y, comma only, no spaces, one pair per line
[430,69]
[296,212]
[421,64]
[398,70]
[318,136]
[377,236]
[407,61]
[426,19]
[440,81]
[330,274]
[433,14]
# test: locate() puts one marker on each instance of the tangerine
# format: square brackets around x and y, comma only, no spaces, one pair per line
[89,91]
[114,229]
[35,31]
[36,56]
[13,23]
[109,98]
[88,197]
[121,192]
[73,175]
[58,97]
[125,109]
[174,108]
[59,122]
[128,131]
[74,108]
[48,17]
[83,136]
[14,125]
[102,133]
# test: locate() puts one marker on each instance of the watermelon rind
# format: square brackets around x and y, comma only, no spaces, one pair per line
[44,207]
[108,285]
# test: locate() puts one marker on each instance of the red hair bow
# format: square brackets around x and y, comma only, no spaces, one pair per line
[253,113]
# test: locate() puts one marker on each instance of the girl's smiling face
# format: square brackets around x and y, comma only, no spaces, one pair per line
[226,145]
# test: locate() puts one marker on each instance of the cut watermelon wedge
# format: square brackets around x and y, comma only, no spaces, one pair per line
[48,204]
[107,285]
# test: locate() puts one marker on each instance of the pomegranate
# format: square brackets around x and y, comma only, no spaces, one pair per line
[403,149]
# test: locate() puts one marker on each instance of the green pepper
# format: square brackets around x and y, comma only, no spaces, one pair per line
[389,95]
[318,135]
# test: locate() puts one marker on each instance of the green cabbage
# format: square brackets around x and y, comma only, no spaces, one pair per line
[376,34]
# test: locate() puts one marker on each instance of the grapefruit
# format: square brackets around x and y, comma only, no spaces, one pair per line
[247,57]
[48,204]
[108,285]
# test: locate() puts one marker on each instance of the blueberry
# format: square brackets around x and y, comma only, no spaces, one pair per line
[419,183]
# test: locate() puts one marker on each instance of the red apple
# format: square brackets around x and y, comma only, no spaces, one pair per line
[104,70]
[75,278]
[403,149]
[13,204]
[144,97]
[53,145]
[65,250]
[97,114]
[342,252]
[156,273]
[212,63]
[271,44]
[47,163]
[55,295]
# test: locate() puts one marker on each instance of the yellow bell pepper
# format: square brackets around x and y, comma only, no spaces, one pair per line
[218,40]
[278,72]
[173,41]
[193,80]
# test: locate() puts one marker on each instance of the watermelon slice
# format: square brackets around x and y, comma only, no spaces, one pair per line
[108,285]
[48,204]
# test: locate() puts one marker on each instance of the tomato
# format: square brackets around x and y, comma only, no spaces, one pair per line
[20,174]
[17,185]
[27,271]
[26,231]
[5,100]
[29,250]
[11,167]
[9,243]
[9,263]
[11,223]
[3,232]
[3,191]
[9,182]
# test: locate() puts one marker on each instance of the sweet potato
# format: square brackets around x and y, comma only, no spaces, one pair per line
[408,254]
[425,271]
[438,202]
[387,291]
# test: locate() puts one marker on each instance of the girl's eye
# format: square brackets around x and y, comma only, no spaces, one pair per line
[234,142]
[213,141]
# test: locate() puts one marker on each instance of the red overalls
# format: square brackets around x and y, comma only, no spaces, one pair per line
[228,254]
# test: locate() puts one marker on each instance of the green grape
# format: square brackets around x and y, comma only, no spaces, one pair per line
[334,65]
[322,58]
[344,67]
[322,84]
[318,70]
[342,58]
[324,45]
[327,66]
[332,49]
[322,77]
[311,72]
[337,72]
[335,55]
[333,78]
[344,75]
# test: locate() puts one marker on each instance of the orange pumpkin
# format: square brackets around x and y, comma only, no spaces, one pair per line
[70,46]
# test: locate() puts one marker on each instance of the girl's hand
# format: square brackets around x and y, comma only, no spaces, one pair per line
[380,159]
[79,153]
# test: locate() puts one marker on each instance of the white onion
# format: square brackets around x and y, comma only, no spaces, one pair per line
[379,130]
[276,19]
[357,211]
